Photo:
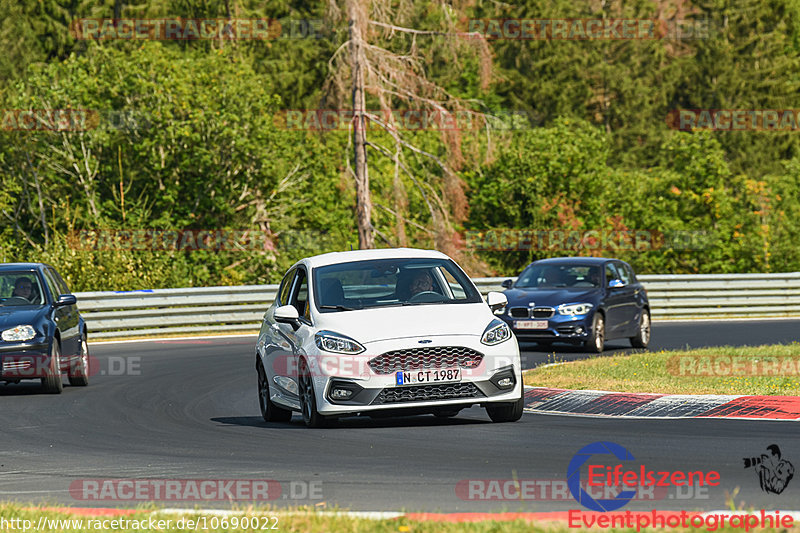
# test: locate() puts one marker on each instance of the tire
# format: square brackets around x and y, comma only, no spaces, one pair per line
[506,412]
[596,342]
[269,411]
[79,370]
[51,383]
[642,337]
[308,400]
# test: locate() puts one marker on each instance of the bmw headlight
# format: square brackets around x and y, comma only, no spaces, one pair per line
[496,332]
[336,343]
[19,333]
[574,309]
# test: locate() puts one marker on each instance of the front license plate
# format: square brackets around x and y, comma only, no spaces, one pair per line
[437,375]
[531,324]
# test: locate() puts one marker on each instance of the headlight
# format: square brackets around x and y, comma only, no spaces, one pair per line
[500,311]
[496,332]
[333,342]
[19,333]
[574,309]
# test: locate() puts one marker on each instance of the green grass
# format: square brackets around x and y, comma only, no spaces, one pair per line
[681,372]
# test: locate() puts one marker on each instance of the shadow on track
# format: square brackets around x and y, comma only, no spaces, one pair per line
[353,422]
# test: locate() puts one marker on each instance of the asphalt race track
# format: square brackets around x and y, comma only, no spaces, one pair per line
[188,410]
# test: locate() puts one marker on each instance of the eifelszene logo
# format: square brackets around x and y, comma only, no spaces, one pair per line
[600,475]
[773,472]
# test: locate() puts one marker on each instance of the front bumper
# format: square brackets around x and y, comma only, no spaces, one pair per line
[24,360]
[496,378]
[560,328]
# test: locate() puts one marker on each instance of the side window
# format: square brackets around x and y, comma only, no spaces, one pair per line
[631,275]
[60,283]
[300,297]
[455,287]
[611,273]
[623,273]
[286,284]
[52,286]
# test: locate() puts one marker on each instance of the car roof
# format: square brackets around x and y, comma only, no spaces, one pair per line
[574,261]
[5,267]
[334,258]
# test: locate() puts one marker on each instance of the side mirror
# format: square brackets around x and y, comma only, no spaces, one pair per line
[615,284]
[496,300]
[287,314]
[507,283]
[66,299]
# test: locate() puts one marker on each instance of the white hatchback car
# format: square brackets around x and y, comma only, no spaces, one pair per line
[385,332]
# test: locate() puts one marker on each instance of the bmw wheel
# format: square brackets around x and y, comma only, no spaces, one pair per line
[51,382]
[269,411]
[596,342]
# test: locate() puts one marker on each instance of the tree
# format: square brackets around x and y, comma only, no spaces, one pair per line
[385,60]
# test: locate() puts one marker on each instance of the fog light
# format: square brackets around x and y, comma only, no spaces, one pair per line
[579,330]
[505,382]
[341,394]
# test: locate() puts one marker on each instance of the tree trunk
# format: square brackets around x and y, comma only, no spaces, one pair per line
[357,24]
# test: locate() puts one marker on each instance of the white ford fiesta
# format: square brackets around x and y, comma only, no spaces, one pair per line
[381,333]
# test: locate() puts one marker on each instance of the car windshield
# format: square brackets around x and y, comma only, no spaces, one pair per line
[20,288]
[383,283]
[559,276]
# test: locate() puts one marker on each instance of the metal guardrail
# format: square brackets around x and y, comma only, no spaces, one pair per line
[221,309]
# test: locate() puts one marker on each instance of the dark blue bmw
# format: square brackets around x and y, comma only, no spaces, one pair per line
[578,300]
[42,334]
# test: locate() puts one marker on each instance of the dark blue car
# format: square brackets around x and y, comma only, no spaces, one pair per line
[42,334]
[578,300]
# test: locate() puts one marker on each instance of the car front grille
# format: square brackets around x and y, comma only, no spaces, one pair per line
[542,312]
[519,312]
[423,358]
[422,393]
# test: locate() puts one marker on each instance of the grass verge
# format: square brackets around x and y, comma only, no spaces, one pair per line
[42,519]
[759,370]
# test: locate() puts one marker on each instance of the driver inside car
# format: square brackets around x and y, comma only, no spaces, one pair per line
[421,282]
[23,288]
[412,283]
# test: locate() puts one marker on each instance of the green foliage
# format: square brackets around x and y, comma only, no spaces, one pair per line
[184,137]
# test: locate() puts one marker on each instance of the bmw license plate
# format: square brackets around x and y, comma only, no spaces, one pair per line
[437,375]
[531,324]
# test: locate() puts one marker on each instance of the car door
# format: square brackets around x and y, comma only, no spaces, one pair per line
[628,299]
[277,347]
[65,316]
[614,302]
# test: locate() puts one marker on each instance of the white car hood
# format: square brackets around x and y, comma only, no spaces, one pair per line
[383,323]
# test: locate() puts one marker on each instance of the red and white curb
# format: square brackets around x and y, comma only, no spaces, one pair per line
[639,405]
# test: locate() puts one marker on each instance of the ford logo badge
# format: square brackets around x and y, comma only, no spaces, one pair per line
[425,341]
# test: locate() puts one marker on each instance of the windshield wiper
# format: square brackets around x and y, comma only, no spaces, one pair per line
[338,307]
